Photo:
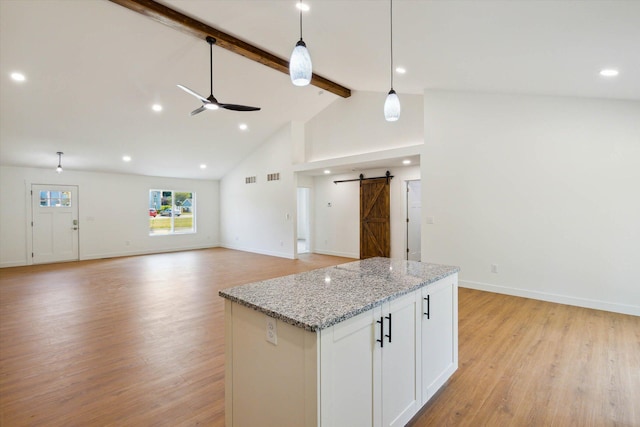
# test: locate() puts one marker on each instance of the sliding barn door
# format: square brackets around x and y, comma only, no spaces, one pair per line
[375,235]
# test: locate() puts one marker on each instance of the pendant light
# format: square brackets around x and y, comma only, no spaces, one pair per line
[300,62]
[392,103]
[59,168]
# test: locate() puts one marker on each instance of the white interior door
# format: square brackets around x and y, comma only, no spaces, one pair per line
[54,223]
[414,206]
[304,223]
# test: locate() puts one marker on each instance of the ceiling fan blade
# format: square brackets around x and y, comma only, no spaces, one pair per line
[198,110]
[236,107]
[190,92]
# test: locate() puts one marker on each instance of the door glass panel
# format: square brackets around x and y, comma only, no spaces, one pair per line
[55,199]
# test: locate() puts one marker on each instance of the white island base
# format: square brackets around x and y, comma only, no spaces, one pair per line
[377,368]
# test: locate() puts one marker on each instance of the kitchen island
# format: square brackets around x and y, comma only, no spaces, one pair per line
[365,343]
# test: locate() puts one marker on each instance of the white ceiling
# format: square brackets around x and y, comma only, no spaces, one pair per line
[95,68]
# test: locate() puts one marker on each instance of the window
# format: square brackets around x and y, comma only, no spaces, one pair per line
[55,199]
[171,212]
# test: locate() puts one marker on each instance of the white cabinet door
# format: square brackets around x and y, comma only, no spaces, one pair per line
[400,360]
[347,353]
[439,334]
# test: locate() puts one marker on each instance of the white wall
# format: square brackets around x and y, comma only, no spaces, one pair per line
[546,188]
[261,217]
[337,228]
[356,125]
[113,210]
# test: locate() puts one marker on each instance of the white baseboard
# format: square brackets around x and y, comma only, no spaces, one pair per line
[334,253]
[561,299]
[13,264]
[259,251]
[145,252]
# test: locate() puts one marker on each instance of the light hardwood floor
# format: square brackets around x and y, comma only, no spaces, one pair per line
[139,342]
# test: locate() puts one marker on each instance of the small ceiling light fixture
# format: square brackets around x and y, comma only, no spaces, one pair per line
[59,168]
[300,68]
[203,166]
[126,158]
[18,77]
[327,171]
[303,7]
[406,162]
[156,107]
[401,70]
[243,126]
[609,72]
[392,103]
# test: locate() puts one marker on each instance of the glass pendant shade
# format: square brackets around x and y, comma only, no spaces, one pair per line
[59,169]
[392,107]
[300,65]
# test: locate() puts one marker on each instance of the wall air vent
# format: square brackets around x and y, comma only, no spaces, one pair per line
[250,180]
[273,176]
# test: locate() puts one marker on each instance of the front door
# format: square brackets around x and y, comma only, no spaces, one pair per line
[375,227]
[55,223]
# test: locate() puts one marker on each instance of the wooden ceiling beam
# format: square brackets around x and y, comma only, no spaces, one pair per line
[174,19]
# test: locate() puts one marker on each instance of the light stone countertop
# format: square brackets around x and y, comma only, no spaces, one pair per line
[321,298]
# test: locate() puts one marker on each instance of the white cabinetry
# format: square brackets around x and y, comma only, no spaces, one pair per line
[439,334]
[399,365]
[369,366]
[376,369]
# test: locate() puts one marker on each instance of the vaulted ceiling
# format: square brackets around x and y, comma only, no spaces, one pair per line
[95,68]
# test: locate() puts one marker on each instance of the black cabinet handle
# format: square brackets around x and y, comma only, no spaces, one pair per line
[381,340]
[389,317]
[428,306]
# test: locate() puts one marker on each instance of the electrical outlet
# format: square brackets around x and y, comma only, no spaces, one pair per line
[494,268]
[272,330]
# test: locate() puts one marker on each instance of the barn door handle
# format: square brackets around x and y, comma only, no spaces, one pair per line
[381,340]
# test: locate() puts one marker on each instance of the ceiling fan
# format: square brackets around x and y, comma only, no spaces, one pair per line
[211,103]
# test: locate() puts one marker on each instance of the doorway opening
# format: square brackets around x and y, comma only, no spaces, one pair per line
[304,220]
[414,208]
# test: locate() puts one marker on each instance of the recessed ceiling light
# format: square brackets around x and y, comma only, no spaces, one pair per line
[203,166]
[18,77]
[243,126]
[327,171]
[401,70]
[303,7]
[609,72]
[156,107]
[126,158]
[406,162]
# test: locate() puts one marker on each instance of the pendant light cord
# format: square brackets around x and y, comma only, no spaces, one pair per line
[300,7]
[391,21]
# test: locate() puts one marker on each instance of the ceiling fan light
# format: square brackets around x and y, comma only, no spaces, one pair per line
[211,106]
[300,65]
[392,107]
